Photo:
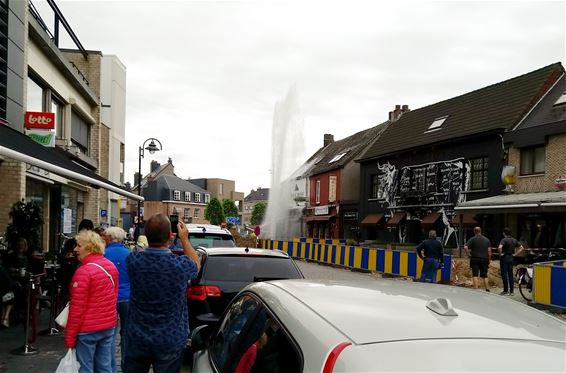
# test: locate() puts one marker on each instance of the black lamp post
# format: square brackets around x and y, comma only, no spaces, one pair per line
[152,148]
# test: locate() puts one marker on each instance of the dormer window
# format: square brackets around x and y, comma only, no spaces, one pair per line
[176,195]
[437,123]
[187,196]
[337,157]
[561,100]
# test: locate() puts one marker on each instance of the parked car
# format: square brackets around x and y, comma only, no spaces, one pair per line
[226,271]
[374,326]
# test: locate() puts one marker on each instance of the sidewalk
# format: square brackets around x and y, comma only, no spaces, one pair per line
[50,349]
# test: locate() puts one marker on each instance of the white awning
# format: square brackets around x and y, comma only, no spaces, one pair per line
[516,201]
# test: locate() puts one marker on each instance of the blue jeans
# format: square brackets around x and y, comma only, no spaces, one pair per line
[506,264]
[138,361]
[94,351]
[122,308]
[428,273]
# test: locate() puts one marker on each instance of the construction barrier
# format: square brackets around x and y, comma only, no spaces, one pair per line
[549,283]
[402,263]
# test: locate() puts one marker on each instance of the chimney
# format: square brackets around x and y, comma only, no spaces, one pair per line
[398,112]
[154,165]
[328,139]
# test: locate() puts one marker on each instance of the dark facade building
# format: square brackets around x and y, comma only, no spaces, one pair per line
[535,205]
[434,158]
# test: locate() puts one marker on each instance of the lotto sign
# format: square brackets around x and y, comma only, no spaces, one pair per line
[44,121]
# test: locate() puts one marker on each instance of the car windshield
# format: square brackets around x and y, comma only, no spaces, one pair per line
[211,240]
[249,268]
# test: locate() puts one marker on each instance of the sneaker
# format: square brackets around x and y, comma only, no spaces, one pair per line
[504,293]
[487,290]
[510,294]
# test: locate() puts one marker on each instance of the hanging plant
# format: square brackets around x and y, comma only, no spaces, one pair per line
[26,222]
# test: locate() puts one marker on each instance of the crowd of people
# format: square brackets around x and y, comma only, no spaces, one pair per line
[479,250]
[138,292]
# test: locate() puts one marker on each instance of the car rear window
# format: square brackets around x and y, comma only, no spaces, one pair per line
[211,240]
[249,268]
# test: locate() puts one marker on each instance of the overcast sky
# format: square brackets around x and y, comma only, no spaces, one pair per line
[203,77]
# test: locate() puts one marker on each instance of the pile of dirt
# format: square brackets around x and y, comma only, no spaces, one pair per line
[462,273]
[242,241]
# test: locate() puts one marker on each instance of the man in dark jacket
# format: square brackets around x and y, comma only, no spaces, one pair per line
[431,251]
[507,251]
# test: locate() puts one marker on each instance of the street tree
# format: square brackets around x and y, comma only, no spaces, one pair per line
[258,213]
[214,212]
[229,208]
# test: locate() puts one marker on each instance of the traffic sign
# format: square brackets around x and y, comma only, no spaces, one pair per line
[233,220]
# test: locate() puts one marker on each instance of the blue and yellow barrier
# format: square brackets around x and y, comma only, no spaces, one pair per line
[402,263]
[549,283]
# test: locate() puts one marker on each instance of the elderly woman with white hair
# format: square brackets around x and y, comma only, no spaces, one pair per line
[117,252]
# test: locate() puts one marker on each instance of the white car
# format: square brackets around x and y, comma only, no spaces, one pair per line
[377,326]
[208,235]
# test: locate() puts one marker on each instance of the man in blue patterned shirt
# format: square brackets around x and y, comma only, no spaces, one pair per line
[158,326]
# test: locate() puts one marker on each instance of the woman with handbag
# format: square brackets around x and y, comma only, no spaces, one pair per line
[92,309]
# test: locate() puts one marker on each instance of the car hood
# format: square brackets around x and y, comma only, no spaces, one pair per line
[388,310]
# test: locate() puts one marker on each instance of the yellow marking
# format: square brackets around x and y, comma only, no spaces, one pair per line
[357,257]
[403,263]
[541,284]
[372,259]
[388,262]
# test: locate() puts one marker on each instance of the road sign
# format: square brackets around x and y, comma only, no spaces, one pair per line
[233,220]
[103,213]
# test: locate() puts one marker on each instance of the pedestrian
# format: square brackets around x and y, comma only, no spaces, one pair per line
[507,251]
[131,232]
[431,252]
[158,326]
[117,253]
[478,249]
[68,260]
[92,310]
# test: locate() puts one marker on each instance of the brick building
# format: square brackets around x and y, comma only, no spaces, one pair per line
[70,178]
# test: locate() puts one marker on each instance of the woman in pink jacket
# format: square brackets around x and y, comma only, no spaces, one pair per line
[92,311]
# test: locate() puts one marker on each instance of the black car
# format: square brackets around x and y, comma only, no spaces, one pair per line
[226,271]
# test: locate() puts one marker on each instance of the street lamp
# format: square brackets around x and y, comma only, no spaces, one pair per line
[152,148]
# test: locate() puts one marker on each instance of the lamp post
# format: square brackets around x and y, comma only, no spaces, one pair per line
[152,148]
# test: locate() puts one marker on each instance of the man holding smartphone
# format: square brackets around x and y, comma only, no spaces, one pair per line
[157,322]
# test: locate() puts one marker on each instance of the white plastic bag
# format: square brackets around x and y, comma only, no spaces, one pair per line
[61,319]
[69,363]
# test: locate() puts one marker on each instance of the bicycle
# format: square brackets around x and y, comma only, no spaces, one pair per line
[524,278]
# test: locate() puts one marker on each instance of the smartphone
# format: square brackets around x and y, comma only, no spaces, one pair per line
[174,221]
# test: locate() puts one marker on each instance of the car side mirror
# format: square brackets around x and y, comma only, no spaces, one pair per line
[200,337]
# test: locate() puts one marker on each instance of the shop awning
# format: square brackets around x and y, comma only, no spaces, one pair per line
[372,219]
[319,218]
[516,202]
[467,219]
[430,219]
[16,145]
[396,219]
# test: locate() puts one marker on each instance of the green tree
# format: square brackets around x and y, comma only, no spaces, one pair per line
[229,208]
[26,222]
[258,213]
[214,212]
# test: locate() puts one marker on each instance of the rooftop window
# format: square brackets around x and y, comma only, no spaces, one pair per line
[337,157]
[561,100]
[437,123]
